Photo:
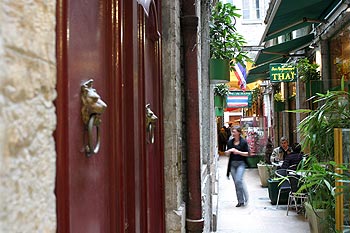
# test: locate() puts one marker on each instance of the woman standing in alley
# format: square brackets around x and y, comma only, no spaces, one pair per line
[237,148]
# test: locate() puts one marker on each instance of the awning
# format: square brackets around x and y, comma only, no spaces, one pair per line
[287,15]
[276,54]
[261,72]
[283,49]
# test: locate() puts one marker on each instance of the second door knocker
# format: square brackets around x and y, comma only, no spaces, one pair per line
[151,119]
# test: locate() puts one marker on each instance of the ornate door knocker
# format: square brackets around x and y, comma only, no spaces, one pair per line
[91,110]
[151,119]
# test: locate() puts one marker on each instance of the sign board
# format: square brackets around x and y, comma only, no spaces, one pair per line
[283,72]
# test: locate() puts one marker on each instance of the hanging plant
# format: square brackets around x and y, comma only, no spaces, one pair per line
[278,97]
[307,71]
[225,41]
[255,94]
[221,90]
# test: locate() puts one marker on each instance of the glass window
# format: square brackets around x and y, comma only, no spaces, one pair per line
[227,1]
[251,10]
[340,56]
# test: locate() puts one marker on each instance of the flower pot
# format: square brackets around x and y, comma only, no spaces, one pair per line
[219,111]
[312,87]
[273,189]
[218,101]
[317,219]
[264,173]
[219,71]
[279,106]
[252,161]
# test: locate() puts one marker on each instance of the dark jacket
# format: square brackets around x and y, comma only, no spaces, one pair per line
[242,146]
[292,160]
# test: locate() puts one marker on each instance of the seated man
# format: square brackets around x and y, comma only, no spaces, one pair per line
[279,153]
[292,160]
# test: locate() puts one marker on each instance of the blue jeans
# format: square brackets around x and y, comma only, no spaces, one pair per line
[237,169]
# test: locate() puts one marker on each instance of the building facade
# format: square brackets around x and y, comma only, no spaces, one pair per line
[294,31]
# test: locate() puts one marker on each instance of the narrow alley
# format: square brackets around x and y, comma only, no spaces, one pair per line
[259,215]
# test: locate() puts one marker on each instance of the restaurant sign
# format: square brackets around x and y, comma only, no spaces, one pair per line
[283,72]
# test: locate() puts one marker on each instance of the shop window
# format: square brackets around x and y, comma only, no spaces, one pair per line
[340,56]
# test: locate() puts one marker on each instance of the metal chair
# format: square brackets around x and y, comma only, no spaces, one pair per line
[284,186]
[294,195]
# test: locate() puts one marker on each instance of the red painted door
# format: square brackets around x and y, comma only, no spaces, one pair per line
[121,188]
[86,202]
[154,163]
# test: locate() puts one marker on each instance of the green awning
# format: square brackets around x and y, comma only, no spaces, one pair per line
[287,15]
[283,49]
[261,72]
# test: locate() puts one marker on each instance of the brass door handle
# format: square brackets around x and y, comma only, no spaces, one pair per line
[151,119]
[91,110]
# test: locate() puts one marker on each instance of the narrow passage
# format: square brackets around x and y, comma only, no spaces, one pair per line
[259,215]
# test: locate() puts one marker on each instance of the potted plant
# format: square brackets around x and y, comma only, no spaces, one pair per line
[279,105]
[220,93]
[310,75]
[273,184]
[321,172]
[266,171]
[319,182]
[316,129]
[253,160]
[226,44]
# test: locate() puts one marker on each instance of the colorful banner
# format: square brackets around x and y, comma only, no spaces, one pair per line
[239,99]
[283,72]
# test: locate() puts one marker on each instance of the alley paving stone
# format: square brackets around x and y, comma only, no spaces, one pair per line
[259,215]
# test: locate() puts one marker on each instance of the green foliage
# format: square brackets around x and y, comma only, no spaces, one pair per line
[278,97]
[255,94]
[319,182]
[307,71]
[317,134]
[221,89]
[316,130]
[225,41]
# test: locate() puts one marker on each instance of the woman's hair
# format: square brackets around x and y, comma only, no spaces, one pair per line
[296,148]
[239,129]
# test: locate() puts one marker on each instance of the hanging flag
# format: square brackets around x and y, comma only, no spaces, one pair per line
[145,4]
[241,74]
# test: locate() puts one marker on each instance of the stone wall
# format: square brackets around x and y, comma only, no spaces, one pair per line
[174,147]
[175,211]
[27,116]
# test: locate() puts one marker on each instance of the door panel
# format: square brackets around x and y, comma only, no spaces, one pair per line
[120,189]
[88,176]
[83,182]
[154,151]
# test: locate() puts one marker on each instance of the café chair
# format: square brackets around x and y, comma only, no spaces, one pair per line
[294,195]
[284,186]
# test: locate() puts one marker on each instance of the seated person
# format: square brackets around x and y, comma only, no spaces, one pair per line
[292,160]
[268,151]
[279,153]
